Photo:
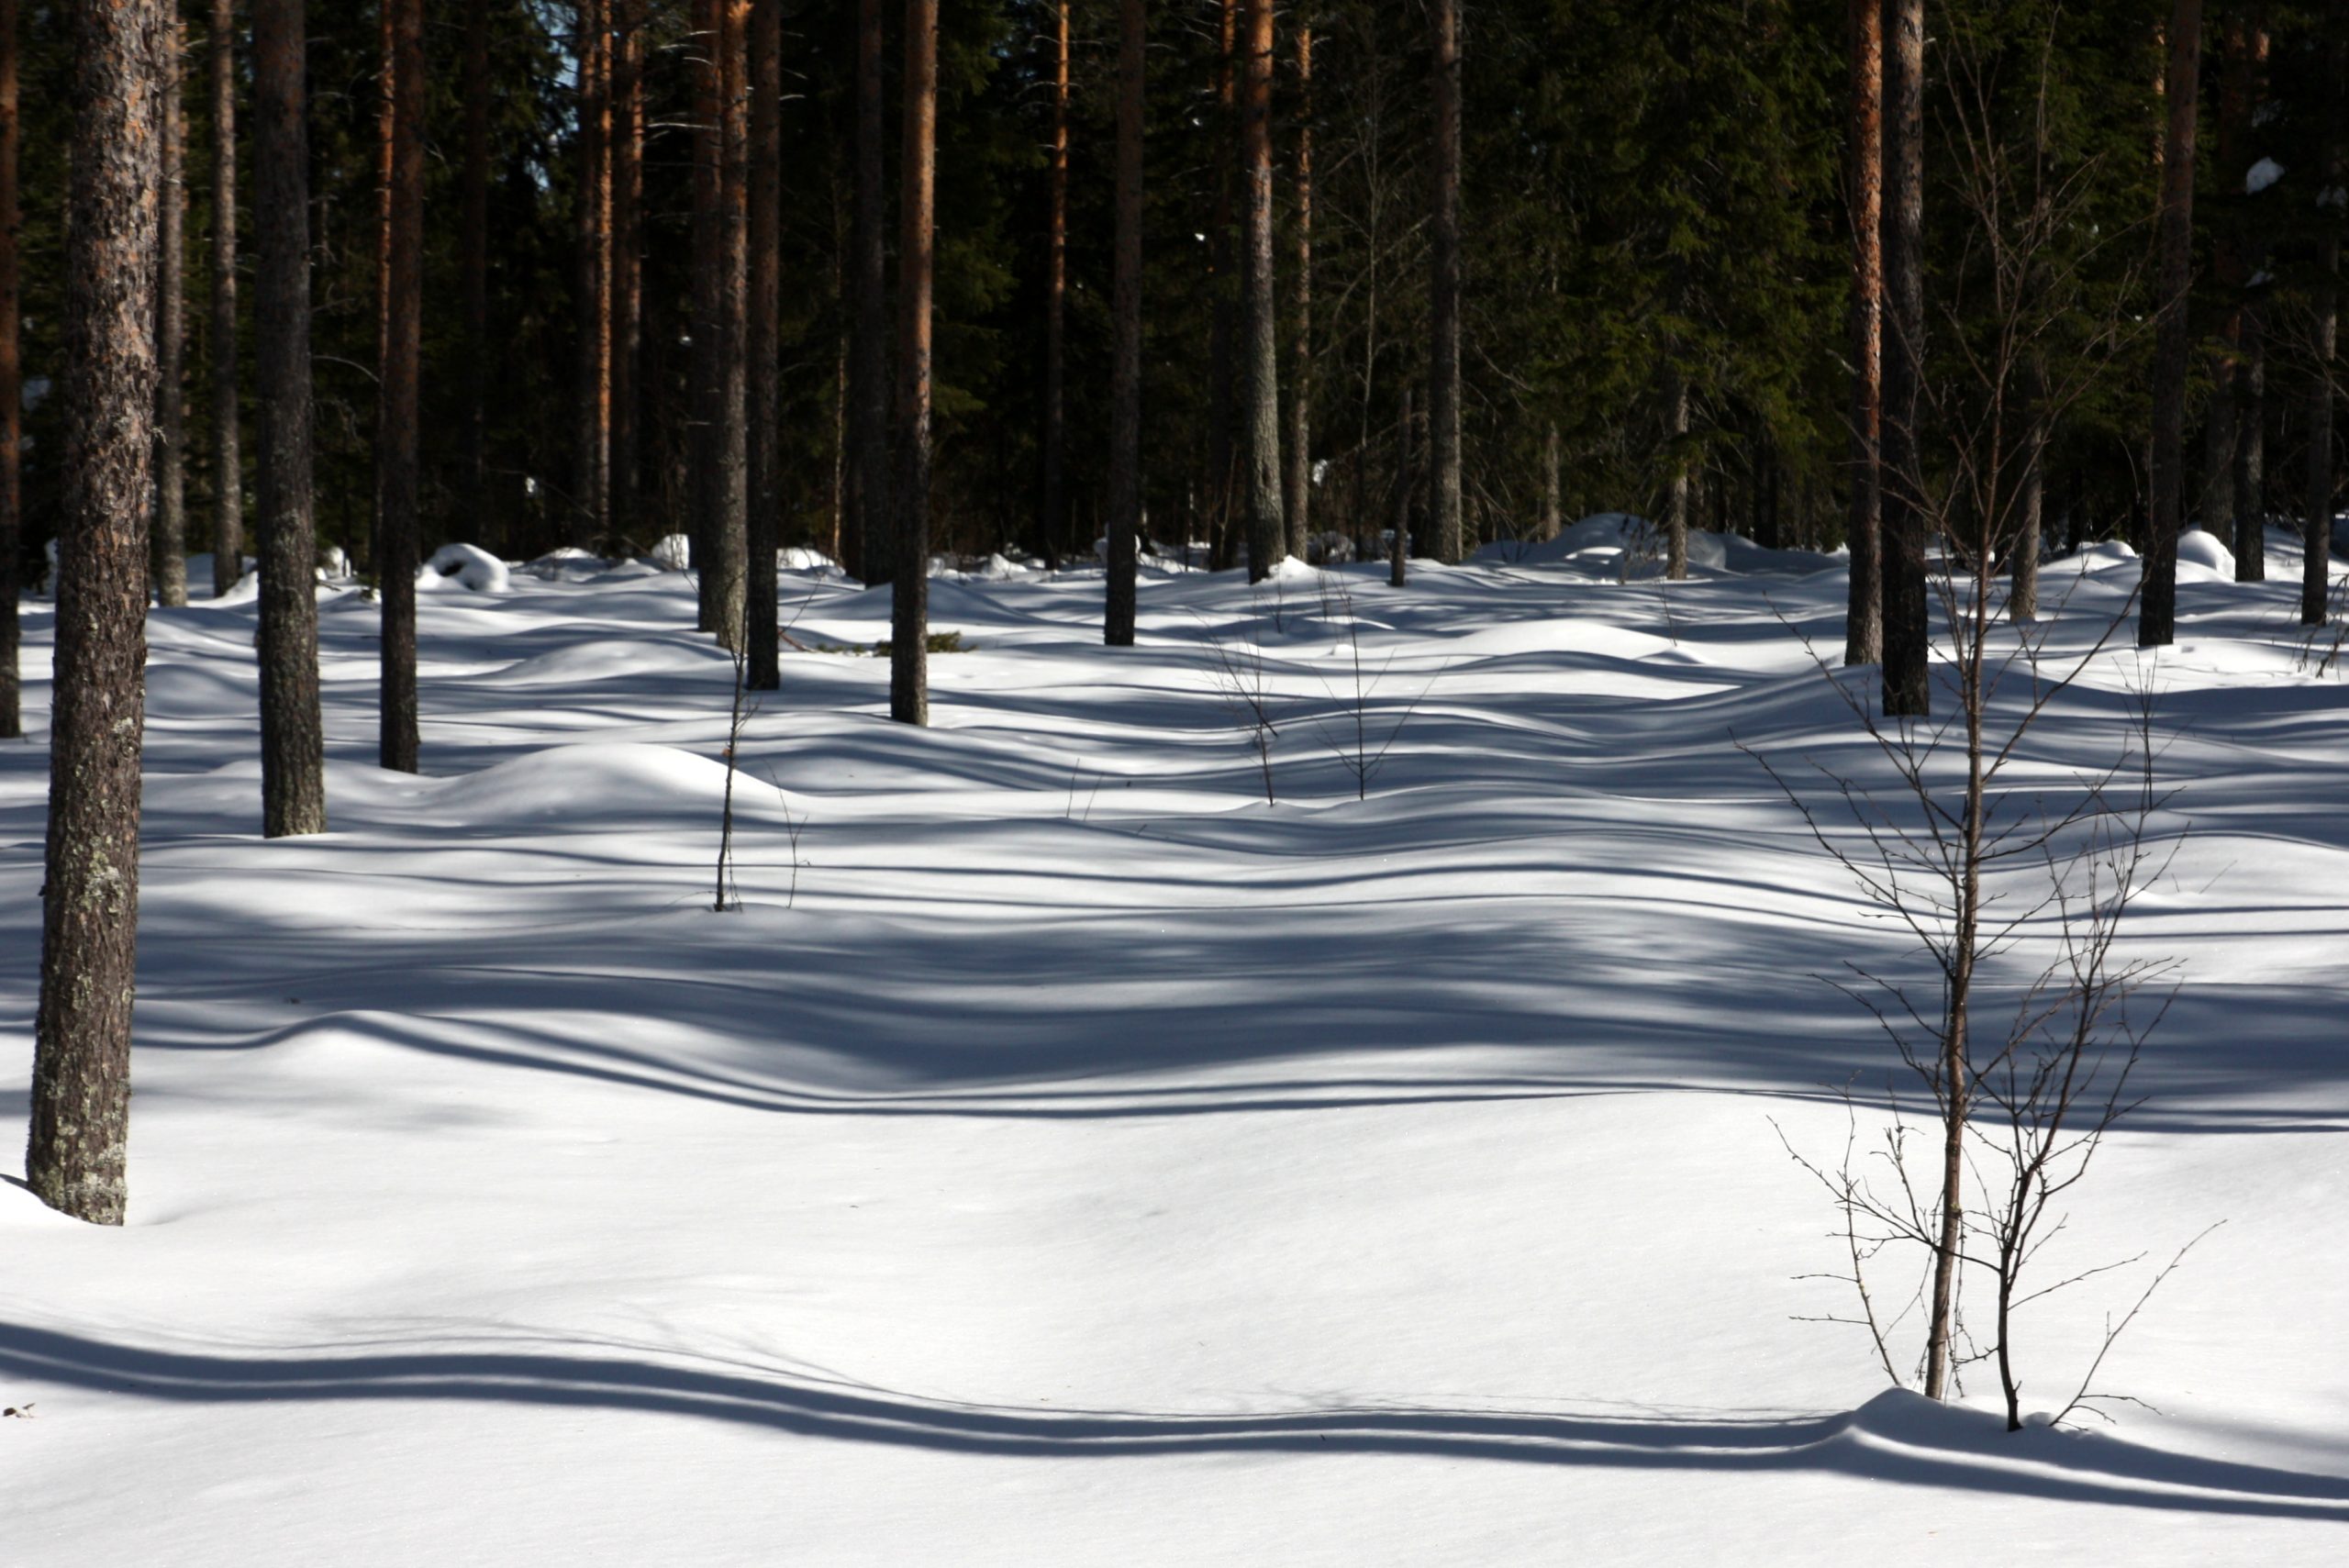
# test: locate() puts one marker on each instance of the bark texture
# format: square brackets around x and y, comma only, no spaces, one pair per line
[909,597]
[868,362]
[1444,374]
[2157,607]
[1267,532]
[1125,371]
[1864,620]
[727,567]
[75,1159]
[1297,484]
[593,415]
[473,272]
[1055,434]
[706,369]
[12,391]
[293,746]
[764,415]
[1908,689]
[167,556]
[227,456]
[2316,533]
[627,278]
[397,487]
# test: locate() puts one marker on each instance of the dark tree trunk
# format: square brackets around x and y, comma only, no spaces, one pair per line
[1553,496]
[910,598]
[1222,241]
[292,748]
[594,309]
[1864,621]
[1908,686]
[2251,448]
[1676,500]
[626,277]
[227,458]
[1443,376]
[729,553]
[1297,488]
[1267,534]
[763,454]
[1399,547]
[1124,373]
[705,373]
[2229,268]
[2316,536]
[1055,519]
[12,382]
[75,1159]
[167,561]
[397,442]
[2157,610]
[472,267]
[873,524]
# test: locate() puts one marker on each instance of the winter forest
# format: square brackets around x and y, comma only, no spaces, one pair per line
[1290,782]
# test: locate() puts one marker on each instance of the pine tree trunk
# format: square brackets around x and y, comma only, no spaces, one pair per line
[868,363]
[2157,609]
[910,598]
[1398,546]
[1222,241]
[1267,533]
[1908,686]
[1124,373]
[594,311]
[761,344]
[472,267]
[729,556]
[1296,489]
[75,1159]
[1676,500]
[167,561]
[2230,269]
[2251,449]
[227,458]
[624,333]
[1553,496]
[292,748]
[706,372]
[2023,597]
[2316,536]
[396,441]
[1444,378]
[1863,619]
[12,384]
[1055,518]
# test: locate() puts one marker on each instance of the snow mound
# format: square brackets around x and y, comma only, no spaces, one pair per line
[798,557]
[1613,543]
[468,564]
[568,565]
[2261,175]
[617,781]
[674,552]
[2196,548]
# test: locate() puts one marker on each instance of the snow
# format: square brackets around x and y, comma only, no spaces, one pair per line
[467,566]
[2261,175]
[2202,551]
[1066,1158]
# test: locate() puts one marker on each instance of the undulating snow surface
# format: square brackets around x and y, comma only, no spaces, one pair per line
[1068,1159]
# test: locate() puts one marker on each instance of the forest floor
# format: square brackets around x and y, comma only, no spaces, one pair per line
[1065,1157]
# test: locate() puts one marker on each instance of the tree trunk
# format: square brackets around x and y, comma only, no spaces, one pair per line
[868,364]
[1675,503]
[706,372]
[1267,532]
[397,446]
[1553,497]
[730,555]
[1864,620]
[75,1159]
[623,479]
[2316,536]
[1222,242]
[12,384]
[292,746]
[761,346]
[2157,609]
[1444,378]
[2023,597]
[227,458]
[1055,518]
[1907,685]
[594,310]
[167,561]
[2229,268]
[2251,449]
[1297,485]
[472,267]
[909,597]
[1125,372]
[1399,547]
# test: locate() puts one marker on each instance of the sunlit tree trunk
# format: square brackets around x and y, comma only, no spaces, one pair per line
[1864,623]
[1296,487]
[593,306]
[397,487]
[2158,608]
[761,347]
[1443,376]
[228,457]
[12,391]
[1267,533]
[1055,518]
[473,268]
[167,560]
[1125,374]
[2316,534]
[624,480]
[705,367]
[909,597]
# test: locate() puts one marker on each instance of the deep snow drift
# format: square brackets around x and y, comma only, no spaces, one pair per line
[1066,1158]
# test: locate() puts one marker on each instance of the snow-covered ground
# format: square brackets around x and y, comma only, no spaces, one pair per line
[1068,1159]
